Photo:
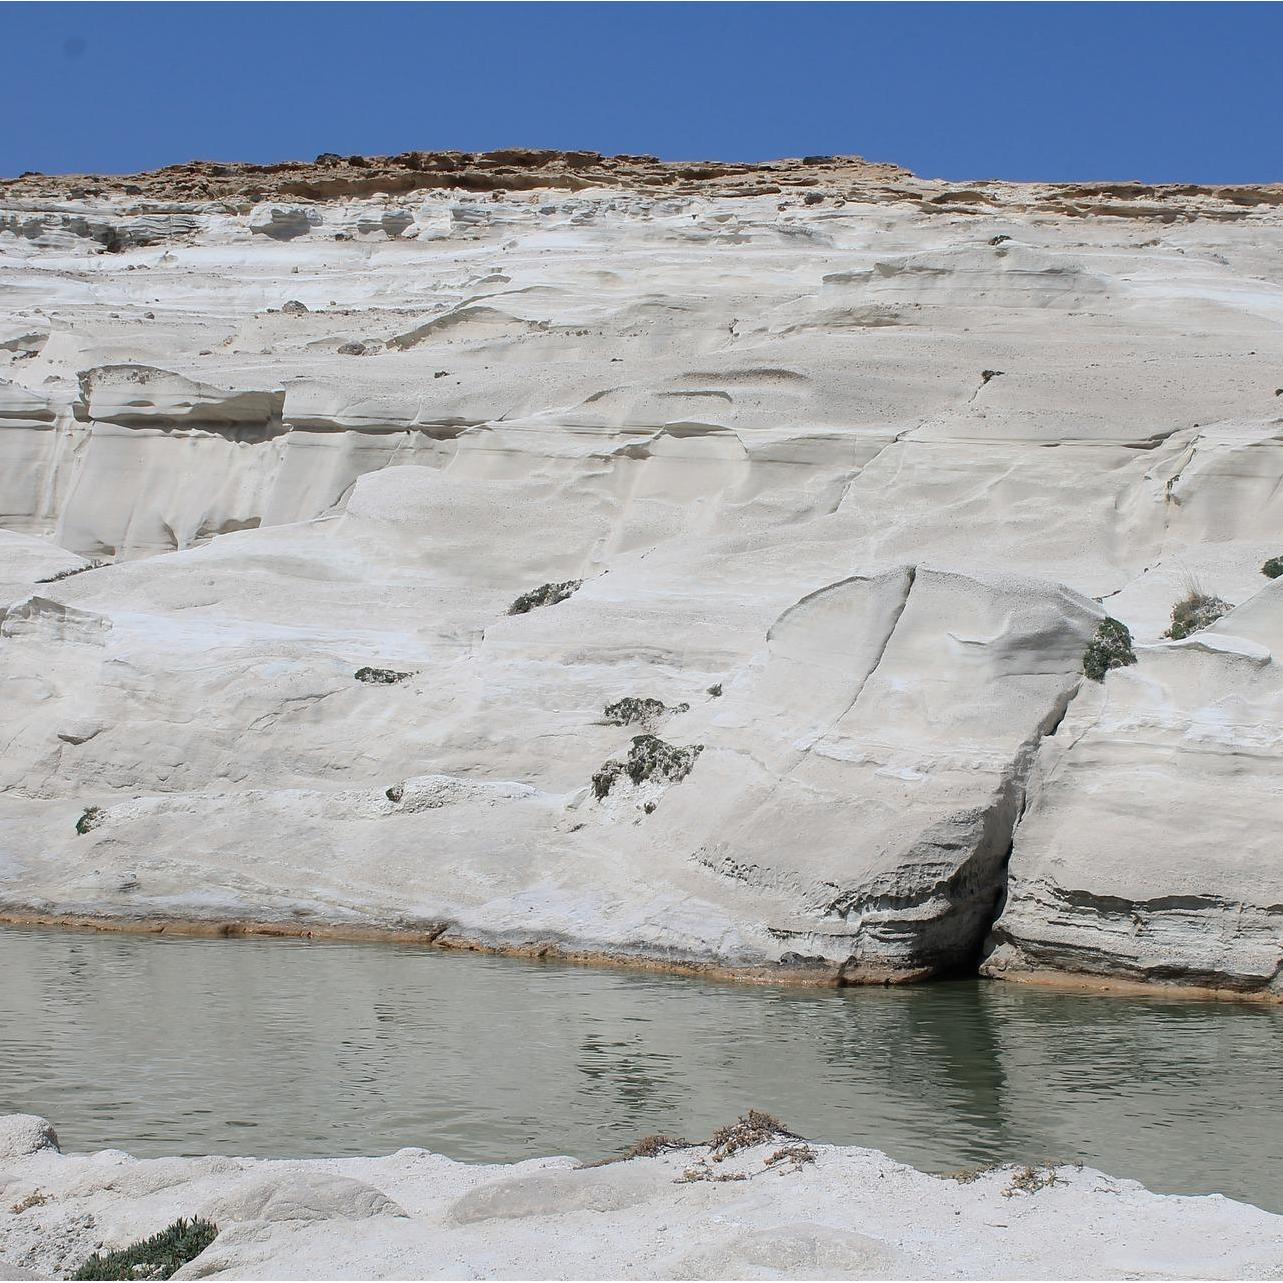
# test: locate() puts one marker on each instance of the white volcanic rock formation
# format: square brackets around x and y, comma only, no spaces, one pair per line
[771,1207]
[842,476]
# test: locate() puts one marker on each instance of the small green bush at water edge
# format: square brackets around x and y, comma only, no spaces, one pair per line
[1110,648]
[158,1257]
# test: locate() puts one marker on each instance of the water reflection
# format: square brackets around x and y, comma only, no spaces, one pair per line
[280,1047]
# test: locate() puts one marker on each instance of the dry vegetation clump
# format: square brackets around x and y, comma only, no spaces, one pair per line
[1029,1180]
[965,1175]
[755,1128]
[792,1157]
[1026,1179]
[702,1172]
[1194,612]
[651,1146]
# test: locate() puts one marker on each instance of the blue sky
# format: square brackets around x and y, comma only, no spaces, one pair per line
[1158,92]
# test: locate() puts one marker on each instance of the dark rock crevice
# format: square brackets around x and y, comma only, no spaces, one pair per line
[945,927]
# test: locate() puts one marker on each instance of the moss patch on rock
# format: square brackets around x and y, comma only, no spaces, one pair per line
[544,595]
[1110,648]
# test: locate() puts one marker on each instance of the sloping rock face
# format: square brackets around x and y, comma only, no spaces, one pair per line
[836,482]
[893,724]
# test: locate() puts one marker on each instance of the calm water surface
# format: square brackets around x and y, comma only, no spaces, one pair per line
[171,1046]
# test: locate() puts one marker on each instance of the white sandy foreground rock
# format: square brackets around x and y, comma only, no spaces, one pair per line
[839,469]
[777,1208]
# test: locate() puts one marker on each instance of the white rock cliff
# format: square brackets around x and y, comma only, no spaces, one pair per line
[838,468]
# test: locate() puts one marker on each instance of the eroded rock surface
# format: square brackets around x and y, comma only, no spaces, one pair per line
[842,488]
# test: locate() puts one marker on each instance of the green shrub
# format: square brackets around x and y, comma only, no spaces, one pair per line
[1194,612]
[380,676]
[604,778]
[1110,648]
[544,595]
[648,757]
[1273,568]
[157,1257]
[91,819]
[631,709]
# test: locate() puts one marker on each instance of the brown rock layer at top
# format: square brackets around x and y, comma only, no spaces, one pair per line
[331,176]
[512,169]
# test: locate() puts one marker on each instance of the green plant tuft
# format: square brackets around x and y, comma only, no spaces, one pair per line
[75,570]
[630,709]
[1110,648]
[1273,568]
[544,595]
[605,777]
[380,676]
[1194,612]
[648,757]
[91,819]
[157,1257]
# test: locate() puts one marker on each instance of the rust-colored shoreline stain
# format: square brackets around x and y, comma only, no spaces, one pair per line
[440,936]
